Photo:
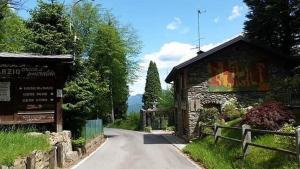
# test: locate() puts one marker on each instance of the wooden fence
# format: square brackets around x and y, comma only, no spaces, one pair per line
[246,142]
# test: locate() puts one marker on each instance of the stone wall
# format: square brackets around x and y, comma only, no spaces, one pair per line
[198,94]
[61,154]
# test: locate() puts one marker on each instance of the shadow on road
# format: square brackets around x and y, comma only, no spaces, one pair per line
[154,139]
[162,139]
[110,135]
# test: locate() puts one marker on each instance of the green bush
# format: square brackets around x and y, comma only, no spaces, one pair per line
[231,111]
[170,128]
[80,142]
[148,129]
[209,115]
[131,122]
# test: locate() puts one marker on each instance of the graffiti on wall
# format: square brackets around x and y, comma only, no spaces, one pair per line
[234,76]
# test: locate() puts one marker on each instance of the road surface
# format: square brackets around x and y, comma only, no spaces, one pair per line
[135,150]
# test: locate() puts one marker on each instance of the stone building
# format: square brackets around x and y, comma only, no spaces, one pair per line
[237,69]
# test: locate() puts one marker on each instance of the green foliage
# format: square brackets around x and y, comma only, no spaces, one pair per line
[148,129]
[285,141]
[13,32]
[108,55]
[50,29]
[80,142]
[275,23]
[83,100]
[85,20]
[99,84]
[231,111]
[227,154]
[166,100]
[153,87]
[209,115]
[14,144]
[281,90]
[170,128]
[131,122]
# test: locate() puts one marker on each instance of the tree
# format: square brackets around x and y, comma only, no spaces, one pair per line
[276,23]
[84,99]
[6,4]
[50,29]
[105,50]
[108,55]
[13,33]
[85,20]
[153,87]
[166,100]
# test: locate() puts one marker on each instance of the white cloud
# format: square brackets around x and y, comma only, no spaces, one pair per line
[174,24]
[236,12]
[210,46]
[168,56]
[216,19]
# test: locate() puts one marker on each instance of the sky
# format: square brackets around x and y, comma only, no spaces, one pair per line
[168,28]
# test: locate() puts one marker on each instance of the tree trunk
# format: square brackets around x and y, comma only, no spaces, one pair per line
[112,104]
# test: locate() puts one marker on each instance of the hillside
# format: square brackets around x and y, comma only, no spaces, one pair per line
[134,103]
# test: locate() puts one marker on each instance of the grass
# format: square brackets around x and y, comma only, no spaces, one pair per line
[227,154]
[14,144]
[131,122]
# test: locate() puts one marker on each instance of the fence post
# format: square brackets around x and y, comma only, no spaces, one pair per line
[298,144]
[246,138]
[217,133]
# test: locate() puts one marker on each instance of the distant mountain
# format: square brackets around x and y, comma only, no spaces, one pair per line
[134,103]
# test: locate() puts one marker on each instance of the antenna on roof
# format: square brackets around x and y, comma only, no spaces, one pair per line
[199,37]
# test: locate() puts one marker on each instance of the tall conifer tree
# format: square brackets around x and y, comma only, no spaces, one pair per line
[275,23]
[153,87]
[50,29]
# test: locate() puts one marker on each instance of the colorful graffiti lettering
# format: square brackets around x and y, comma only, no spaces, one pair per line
[233,76]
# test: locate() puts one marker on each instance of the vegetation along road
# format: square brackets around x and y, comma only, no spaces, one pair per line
[135,150]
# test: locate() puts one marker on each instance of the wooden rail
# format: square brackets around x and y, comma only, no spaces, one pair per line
[246,132]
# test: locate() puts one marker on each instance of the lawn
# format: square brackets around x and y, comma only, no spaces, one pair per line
[131,122]
[227,154]
[14,144]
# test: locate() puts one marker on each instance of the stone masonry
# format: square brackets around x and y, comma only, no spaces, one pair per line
[196,94]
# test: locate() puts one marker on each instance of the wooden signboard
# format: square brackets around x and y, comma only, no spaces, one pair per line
[28,90]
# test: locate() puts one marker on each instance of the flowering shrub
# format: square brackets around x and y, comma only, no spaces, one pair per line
[270,115]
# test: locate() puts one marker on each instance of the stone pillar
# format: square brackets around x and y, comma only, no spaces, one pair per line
[52,158]
[30,161]
[60,156]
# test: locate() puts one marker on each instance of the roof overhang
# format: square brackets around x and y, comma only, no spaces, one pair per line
[4,56]
[203,55]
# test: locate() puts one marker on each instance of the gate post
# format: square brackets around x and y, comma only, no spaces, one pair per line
[246,138]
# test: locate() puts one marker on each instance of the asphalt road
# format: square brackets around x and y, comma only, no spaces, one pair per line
[134,150]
